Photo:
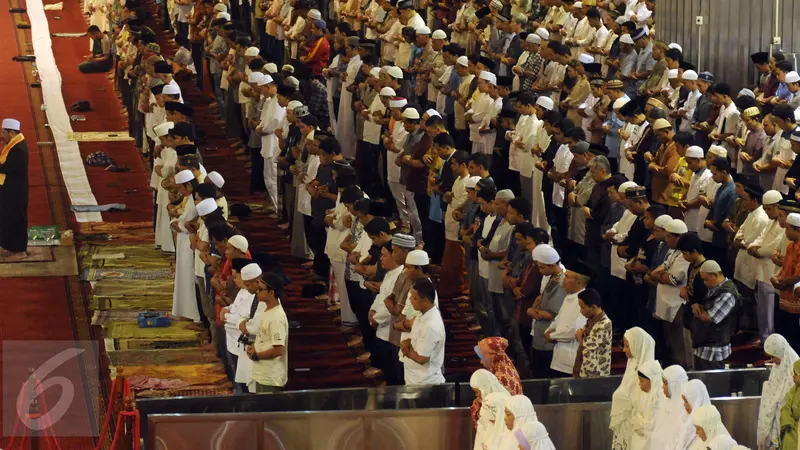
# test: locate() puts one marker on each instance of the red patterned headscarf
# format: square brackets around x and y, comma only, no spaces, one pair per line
[498,362]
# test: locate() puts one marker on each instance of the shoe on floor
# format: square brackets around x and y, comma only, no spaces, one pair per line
[364,358]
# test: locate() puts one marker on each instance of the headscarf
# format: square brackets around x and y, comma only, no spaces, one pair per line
[696,395]
[494,432]
[494,350]
[670,418]
[722,443]
[522,409]
[642,350]
[707,417]
[534,436]
[486,383]
[648,405]
[773,395]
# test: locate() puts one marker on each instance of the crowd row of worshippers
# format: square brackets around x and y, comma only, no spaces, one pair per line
[547,146]
[652,408]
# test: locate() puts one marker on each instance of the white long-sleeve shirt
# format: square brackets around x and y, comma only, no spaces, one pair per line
[753,226]
[236,313]
[382,315]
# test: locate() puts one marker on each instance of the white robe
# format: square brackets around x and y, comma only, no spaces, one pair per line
[345,126]
[329,84]
[184,301]
[750,230]
[164,238]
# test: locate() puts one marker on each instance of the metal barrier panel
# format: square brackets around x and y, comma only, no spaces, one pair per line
[571,426]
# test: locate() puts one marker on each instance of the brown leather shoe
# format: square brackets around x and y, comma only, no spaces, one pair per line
[357,341]
[364,358]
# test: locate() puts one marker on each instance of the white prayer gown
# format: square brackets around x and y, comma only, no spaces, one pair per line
[522,409]
[670,418]
[535,434]
[184,301]
[492,421]
[625,397]
[164,238]
[345,126]
[773,395]
[329,83]
[647,407]
[707,417]
[696,394]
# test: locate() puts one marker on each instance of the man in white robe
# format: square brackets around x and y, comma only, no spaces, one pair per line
[272,114]
[345,124]
[184,299]
[567,322]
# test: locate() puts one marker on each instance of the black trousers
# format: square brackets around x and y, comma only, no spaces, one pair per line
[256,171]
[787,325]
[183,30]
[197,57]
[423,202]
[540,363]
[360,301]
[316,237]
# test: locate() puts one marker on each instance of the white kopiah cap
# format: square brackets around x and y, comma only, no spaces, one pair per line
[471,182]
[438,34]
[545,254]
[675,46]
[423,30]
[462,61]
[255,77]
[314,14]
[251,51]
[689,75]
[217,179]
[417,258]
[239,242]
[626,39]
[533,39]
[489,77]
[266,79]
[545,102]
[184,176]
[171,89]
[411,113]
[792,77]
[287,68]
[206,207]
[695,152]
[620,102]
[397,102]
[271,67]
[220,7]
[543,33]
[293,82]
[625,186]
[388,92]
[251,272]
[162,129]
[710,266]
[396,72]
[11,124]
[585,58]
[676,226]
[505,194]
[223,15]
[771,197]
[672,74]
[432,112]
[663,220]
[375,72]
[293,104]
[793,219]
[718,151]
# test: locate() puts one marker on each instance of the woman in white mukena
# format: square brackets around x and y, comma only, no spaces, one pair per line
[773,394]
